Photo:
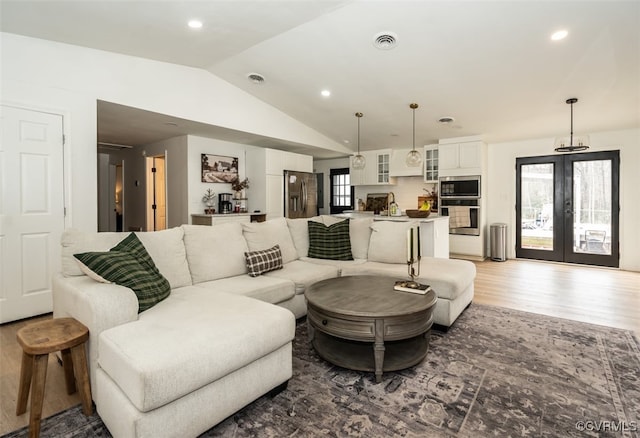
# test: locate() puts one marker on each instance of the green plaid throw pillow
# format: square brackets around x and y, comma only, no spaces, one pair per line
[330,242]
[259,262]
[129,264]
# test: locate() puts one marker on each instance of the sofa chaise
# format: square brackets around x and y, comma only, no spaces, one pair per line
[222,336]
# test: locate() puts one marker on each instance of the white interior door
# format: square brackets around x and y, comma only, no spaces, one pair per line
[161,193]
[156,193]
[31,210]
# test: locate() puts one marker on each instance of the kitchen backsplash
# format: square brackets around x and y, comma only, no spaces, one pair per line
[406,191]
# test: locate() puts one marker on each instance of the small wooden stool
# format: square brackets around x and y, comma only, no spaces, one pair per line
[37,341]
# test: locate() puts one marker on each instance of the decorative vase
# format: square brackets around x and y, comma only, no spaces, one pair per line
[239,194]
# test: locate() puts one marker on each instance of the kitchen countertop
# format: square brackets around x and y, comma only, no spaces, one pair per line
[225,214]
[404,218]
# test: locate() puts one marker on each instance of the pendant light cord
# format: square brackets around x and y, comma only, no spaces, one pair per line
[414,129]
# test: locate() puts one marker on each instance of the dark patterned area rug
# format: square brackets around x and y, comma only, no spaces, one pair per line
[496,372]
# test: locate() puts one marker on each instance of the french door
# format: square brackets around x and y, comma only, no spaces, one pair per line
[567,208]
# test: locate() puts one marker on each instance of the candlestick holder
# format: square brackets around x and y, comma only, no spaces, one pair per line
[411,270]
[412,285]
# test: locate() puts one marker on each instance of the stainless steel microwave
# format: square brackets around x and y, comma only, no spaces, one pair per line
[460,187]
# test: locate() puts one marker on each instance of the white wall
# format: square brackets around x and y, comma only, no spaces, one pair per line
[196,188]
[68,80]
[501,197]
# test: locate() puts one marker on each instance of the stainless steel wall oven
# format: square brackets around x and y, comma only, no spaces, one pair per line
[460,199]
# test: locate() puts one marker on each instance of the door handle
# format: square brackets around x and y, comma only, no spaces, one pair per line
[304,196]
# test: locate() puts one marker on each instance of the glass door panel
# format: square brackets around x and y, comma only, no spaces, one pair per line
[592,207]
[536,220]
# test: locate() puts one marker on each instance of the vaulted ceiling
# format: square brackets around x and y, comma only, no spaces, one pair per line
[491,66]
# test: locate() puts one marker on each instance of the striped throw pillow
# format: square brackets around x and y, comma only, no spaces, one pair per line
[330,242]
[259,262]
[128,264]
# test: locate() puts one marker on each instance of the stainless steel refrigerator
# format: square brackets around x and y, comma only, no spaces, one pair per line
[300,194]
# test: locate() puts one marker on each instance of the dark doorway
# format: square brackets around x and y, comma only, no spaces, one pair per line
[341,192]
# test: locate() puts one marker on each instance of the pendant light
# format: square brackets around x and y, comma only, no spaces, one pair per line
[358,160]
[564,144]
[413,158]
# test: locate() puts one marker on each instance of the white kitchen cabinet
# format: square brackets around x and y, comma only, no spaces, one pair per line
[467,158]
[277,161]
[274,196]
[434,237]
[376,169]
[399,166]
[217,219]
[430,163]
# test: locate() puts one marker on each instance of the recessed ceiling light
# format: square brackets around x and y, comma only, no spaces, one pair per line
[346,141]
[256,78]
[171,123]
[559,35]
[195,24]
[326,93]
[446,120]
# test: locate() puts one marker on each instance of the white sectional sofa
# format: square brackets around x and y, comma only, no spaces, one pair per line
[221,338]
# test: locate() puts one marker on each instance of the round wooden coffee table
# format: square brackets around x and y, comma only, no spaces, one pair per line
[347,316]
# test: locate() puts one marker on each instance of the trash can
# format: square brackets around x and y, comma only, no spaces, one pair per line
[498,242]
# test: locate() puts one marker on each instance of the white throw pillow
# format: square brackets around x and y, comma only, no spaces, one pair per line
[216,251]
[360,234]
[300,233]
[166,248]
[265,235]
[388,243]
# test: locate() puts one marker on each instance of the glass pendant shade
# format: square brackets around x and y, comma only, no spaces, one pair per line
[571,143]
[358,159]
[413,157]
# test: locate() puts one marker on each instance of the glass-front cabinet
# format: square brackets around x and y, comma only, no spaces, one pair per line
[383,159]
[431,163]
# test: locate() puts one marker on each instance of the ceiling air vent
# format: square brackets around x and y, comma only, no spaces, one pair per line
[385,40]
[256,78]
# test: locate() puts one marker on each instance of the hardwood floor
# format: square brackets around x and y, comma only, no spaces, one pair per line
[595,295]
[588,294]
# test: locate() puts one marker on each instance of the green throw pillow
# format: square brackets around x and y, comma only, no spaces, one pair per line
[133,245]
[329,242]
[129,264]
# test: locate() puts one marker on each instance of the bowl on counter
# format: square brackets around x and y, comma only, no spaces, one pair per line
[418,213]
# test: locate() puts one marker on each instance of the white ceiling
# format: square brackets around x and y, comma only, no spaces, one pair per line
[490,65]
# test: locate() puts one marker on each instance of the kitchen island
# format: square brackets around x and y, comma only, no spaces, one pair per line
[434,230]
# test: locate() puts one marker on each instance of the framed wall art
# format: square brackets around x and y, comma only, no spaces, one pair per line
[219,169]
